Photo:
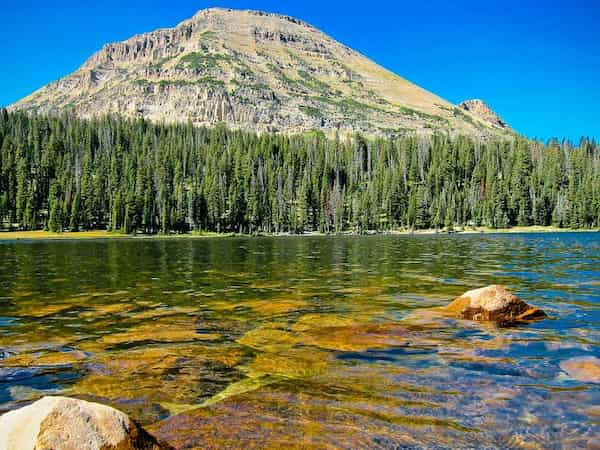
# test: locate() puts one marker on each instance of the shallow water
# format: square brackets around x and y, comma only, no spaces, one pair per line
[307,342]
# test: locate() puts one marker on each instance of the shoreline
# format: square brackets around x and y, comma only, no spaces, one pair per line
[103,234]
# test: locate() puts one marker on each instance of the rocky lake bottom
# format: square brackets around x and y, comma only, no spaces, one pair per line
[315,342]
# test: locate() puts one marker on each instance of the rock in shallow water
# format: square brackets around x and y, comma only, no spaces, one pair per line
[493,304]
[586,369]
[59,423]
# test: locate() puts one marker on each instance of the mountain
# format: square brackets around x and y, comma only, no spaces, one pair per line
[255,71]
[484,112]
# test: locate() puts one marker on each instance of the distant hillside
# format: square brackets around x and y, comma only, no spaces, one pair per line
[254,71]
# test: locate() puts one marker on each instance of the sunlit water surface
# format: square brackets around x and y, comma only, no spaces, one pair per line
[307,342]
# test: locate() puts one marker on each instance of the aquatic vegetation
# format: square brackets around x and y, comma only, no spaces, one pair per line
[293,363]
[161,311]
[293,421]
[311,322]
[251,383]
[275,306]
[363,291]
[44,359]
[268,307]
[28,339]
[307,342]
[176,331]
[39,311]
[110,309]
[357,337]
[174,378]
[269,338]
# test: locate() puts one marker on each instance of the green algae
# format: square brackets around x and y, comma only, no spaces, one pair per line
[269,338]
[296,342]
[252,383]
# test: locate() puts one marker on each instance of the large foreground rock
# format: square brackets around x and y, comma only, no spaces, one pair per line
[59,423]
[493,304]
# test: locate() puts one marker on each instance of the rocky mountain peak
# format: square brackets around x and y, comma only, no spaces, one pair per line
[217,11]
[482,110]
[256,71]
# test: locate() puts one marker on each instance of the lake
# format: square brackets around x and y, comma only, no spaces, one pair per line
[307,342]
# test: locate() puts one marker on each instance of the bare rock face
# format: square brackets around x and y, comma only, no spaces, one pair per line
[254,71]
[59,423]
[484,112]
[586,369]
[493,304]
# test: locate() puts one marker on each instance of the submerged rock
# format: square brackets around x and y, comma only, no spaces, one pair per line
[493,304]
[61,423]
[159,331]
[586,369]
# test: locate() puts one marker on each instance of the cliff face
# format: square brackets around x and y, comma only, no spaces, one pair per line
[255,71]
[480,109]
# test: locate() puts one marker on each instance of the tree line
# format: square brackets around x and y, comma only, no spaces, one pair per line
[62,173]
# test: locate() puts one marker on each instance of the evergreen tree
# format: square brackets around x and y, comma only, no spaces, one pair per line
[112,173]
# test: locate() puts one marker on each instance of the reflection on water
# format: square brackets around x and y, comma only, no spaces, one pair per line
[307,342]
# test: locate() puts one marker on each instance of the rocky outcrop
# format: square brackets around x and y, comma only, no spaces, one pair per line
[586,369]
[59,423]
[493,304]
[484,112]
[254,71]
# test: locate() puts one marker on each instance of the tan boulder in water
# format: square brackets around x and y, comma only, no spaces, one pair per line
[59,423]
[586,369]
[493,304]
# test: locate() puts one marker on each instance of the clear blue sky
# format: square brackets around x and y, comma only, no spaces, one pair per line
[537,63]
